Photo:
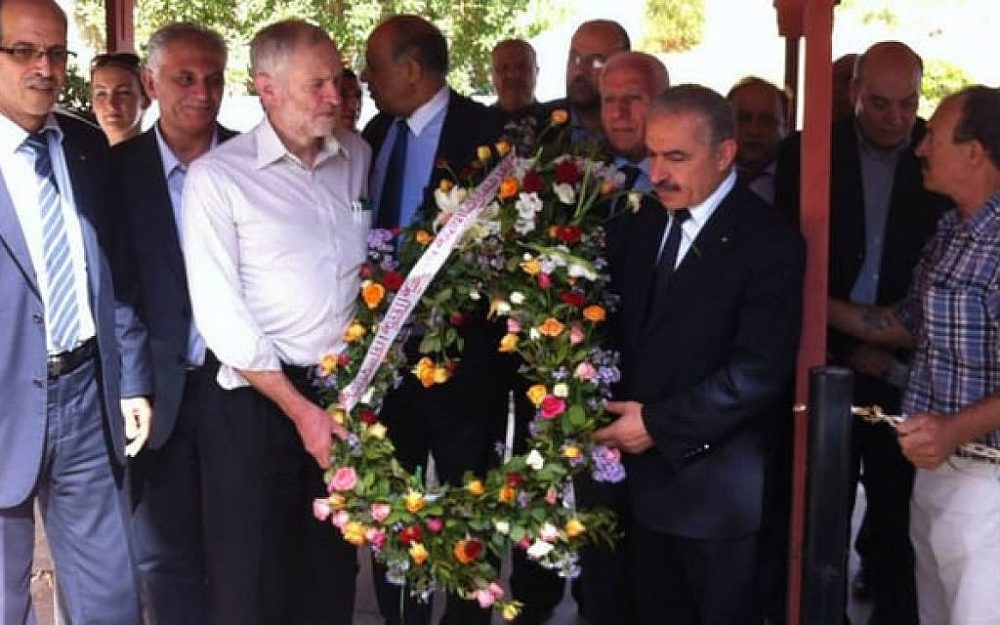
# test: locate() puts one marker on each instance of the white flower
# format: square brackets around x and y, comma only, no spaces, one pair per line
[548,532]
[502,308]
[526,257]
[539,549]
[528,204]
[576,270]
[524,226]
[517,298]
[561,390]
[502,526]
[535,460]
[565,192]
[534,334]
[368,396]
[474,295]
[449,201]
[635,200]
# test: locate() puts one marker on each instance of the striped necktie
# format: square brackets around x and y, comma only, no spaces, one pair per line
[63,312]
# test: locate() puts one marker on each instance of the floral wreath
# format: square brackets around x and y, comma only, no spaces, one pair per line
[535,255]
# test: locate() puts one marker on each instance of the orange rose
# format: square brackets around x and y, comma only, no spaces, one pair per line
[425,371]
[475,487]
[337,501]
[531,267]
[414,501]
[552,327]
[508,188]
[560,117]
[354,533]
[506,494]
[373,293]
[594,313]
[503,148]
[422,237]
[446,185]
[467,550]
[608,187]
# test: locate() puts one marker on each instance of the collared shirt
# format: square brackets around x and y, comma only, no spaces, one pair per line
[425,126]
[878,171]
[17,166]
[953,308]
[174,172]
[762,183]
[699,216]
[274,248]
[642,183]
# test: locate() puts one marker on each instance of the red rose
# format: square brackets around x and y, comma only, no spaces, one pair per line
[473,548]
[411,534]
[367,270]
[566,172]
[392,280]
[514,479]
[533,182]
[456,319]
[574,299]
[569,234]
[368,416]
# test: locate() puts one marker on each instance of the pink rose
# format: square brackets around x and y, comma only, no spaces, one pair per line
[376,537]
[513,326]
[485,598]
[584,371]
[576,334]
[525,543]
[610,454]
[551,407]
[544,280]
[496,590]
[344,479]
[435,525]
[321,509]
[380,511]
[551,497]
[340,519]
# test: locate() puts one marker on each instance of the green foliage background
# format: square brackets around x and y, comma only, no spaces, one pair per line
[673,25]
[472,27]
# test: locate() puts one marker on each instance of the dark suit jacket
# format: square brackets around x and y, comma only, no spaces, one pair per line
[123,367]
[149,271]
[912,218]
[711,365]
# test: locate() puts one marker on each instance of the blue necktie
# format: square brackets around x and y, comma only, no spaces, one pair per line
[666,260]
[63,312]
[390,203]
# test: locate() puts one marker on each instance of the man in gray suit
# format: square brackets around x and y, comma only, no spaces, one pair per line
[63,372]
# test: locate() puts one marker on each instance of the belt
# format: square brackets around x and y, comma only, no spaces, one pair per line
[298,373]
[65,362]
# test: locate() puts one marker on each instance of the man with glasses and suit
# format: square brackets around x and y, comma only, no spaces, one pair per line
[62,439]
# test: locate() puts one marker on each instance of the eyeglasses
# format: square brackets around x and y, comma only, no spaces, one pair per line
[126,60]
[28,53]
[593,62]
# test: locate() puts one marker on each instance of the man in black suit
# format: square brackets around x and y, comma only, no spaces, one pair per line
[880,217]
[185,74]
[421,121]
[708,328]
[514,72]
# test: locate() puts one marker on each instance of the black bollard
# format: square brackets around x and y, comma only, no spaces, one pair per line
[824,559]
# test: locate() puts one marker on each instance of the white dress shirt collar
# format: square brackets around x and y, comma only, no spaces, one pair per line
[271,149]
[701,213]
[420,118]
[12,136]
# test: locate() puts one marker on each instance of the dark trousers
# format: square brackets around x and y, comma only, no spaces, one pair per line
[687,581]
[270,562]
[888,480]
[456,422]
[165,486]
[79,493]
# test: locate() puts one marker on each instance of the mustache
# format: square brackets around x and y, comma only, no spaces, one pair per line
[41,82]
[666,186]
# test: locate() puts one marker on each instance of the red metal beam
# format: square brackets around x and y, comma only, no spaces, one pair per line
[120,27]
[817,27]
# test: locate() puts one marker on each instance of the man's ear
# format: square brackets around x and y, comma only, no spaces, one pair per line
[726,153]
[263,84]
[148,83]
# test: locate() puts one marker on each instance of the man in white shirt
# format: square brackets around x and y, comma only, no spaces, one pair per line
[274,241]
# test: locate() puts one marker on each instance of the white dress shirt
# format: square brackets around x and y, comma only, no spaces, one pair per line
[17,166]
[699,216]
[274,248]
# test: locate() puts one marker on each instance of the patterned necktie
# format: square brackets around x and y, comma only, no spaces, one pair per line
[392,189]
[63,309]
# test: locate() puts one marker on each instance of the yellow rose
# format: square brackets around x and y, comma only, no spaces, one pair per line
[560,117]
[328,365]
[475,487]
[574,528]
[510,611]
[572,452]
[441,375]
[531,267]
[424,370]
[414,501]
[508,343]
[376,431]
[483,153]
[354,332]
[422,237]
[594,313]
[503,147]
[552,327]
[337,501]
[372,293]
[537,393]
[418,553]
[354,533]
[508,188]
[337,414]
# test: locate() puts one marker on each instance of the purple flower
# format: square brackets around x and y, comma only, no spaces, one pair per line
[607,464]
[378,237]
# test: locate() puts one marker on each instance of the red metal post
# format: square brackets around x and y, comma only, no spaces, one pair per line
[817,22]
[120,26]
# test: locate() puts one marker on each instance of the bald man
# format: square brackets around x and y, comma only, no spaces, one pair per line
[880,217]
[514,71]
[761,124]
